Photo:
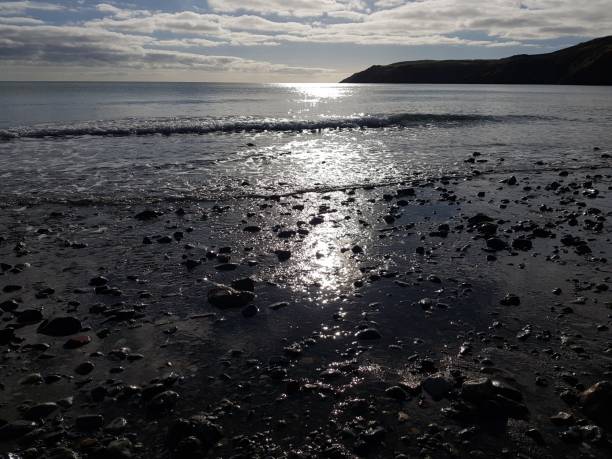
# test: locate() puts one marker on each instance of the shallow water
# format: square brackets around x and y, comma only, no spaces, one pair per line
[139,141]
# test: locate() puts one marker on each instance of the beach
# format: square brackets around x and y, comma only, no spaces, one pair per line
[359,317]
[437,286]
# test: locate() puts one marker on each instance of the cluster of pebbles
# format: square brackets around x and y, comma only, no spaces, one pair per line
[448,317]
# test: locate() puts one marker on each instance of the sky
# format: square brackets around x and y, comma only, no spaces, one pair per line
[275,40]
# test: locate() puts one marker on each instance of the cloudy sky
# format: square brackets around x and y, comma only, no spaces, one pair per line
[275,40]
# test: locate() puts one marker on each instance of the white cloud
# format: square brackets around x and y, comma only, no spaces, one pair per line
[298,8]
[22,7]
[70,45]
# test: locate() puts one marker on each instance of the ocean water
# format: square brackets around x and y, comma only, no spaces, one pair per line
[147,141]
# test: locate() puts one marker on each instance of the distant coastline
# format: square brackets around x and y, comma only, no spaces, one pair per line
[588,63]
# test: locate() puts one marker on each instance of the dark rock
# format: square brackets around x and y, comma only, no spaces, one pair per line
[98,281]
[16,429]
[77,341]
[60,326]
[496,244]
[283,255]
[479,219]
[368,334]
[396,392]
[223,296]
[246,285]
[510,300]
[41,411]
[250,310]
[278,305]
[147,215]
[437,387]
[164,401]
[522,244]
[596,402]
[89,422]
[84,368]
[29,316]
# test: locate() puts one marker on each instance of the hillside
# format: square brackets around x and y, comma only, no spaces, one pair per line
[588,63]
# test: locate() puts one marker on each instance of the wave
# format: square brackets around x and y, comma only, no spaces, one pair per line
[173,126]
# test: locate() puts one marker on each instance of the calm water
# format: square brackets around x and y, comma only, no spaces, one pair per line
[138,141]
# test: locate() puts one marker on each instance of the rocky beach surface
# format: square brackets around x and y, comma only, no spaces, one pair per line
[443,317]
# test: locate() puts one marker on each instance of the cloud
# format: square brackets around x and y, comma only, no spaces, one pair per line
[21,7]
[71,45]
[298,8]
[402,23]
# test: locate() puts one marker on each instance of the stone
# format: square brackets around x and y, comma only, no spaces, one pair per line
[77,341]
[147,215]
[98,281]
[89,422]
[368,334]
[438,387]
[223,296]
[246,285]
[60,326]
[496,244]
[510,300]
[522,244]
[396,392]
[41,411]
[16,429]
[596,402]
[84,368]
[250,310]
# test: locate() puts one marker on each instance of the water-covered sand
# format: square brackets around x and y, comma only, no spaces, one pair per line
[459,316]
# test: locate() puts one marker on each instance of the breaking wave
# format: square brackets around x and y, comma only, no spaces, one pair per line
[175,126]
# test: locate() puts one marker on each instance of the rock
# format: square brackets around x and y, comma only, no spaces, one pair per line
[283,255]
[41,411]
[77,341]
[562,418]
[278,305]
[510,300]
[84,368]
[437,387]
[118,449]
[197,427]
[477,390]
[147,215]
[164,401]
[357,249]
[89,422]
[226,267]
[250,310]
[252,229]
[246,285]
[60,326]
[98,281]
[223,296]
[31,379]
[11,288]
[29,316]
[368,334]
[495,243]
[479,219]
[16,429]
[596,402]
[396,392]
[6,335]
[522,244]
[9,305]
[117,425]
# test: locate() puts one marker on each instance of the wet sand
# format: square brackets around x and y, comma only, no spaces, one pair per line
[450,317]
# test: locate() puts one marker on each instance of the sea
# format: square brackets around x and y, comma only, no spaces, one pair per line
[141,142]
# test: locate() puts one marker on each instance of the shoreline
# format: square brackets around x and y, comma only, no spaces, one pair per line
[366,341]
